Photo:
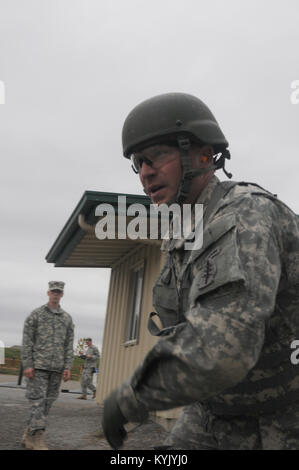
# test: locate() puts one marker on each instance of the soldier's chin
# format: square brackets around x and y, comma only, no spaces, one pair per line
[159,197]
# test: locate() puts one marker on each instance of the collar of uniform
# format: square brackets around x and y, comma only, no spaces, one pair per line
[59,309]
[204,198]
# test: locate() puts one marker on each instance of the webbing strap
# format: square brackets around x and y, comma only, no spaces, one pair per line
[154,329]
[259,408]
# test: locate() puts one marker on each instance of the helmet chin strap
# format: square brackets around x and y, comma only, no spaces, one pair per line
[189,173]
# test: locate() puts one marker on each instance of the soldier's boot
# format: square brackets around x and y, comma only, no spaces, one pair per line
[38,439]
[26,438]
[83,397]
[94,394]
[33,441]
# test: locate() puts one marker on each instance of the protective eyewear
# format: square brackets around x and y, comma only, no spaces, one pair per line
[155,158]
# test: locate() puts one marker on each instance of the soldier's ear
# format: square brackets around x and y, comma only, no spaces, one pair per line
[207,151]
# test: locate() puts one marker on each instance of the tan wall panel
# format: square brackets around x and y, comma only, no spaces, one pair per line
[118,360]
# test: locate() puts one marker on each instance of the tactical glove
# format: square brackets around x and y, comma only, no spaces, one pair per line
[113,421]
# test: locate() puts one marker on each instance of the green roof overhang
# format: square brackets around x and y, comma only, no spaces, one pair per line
[77,247]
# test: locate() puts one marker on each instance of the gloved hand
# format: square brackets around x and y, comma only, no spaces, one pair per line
[113,421]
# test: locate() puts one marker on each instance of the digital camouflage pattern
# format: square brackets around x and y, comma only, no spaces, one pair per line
[56,285]
[198,428]
[48,340]
[89,365]
[92,361]
[230,310]
[86,381]
[41,392]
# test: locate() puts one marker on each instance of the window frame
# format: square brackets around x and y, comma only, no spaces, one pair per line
[136,283]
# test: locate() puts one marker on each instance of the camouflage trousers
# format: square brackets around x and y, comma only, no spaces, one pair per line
[197,428]
[86,380]
[41,392]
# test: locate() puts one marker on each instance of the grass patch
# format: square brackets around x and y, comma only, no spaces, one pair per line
[13,364]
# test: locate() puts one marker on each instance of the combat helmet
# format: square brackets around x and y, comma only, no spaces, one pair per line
[180,117]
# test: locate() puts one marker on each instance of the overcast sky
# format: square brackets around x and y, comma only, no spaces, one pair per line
[73,69]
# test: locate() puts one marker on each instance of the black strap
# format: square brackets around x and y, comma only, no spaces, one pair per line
[184,146]
[154,329]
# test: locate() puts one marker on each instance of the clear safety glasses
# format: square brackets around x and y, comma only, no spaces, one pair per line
[156,157]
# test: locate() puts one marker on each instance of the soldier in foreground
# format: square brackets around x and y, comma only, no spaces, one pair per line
[229,309]
[47,356]
[91,357]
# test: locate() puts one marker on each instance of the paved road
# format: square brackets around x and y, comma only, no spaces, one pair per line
[73,424]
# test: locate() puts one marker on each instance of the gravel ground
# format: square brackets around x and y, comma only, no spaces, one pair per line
[73,424]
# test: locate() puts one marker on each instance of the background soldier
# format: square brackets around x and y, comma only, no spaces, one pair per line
[229,309]
[47,355]
[91,357]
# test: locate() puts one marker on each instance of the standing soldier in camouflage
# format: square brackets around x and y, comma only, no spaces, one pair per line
[47,356]
[91,357]
[229,308]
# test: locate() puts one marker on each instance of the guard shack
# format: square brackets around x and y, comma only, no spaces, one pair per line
[135,266]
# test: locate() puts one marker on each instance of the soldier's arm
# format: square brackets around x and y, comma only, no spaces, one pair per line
[221,339]
[28,341]
[95,353]
[69,344]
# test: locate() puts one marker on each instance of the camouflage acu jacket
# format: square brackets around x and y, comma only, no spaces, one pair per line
[92,361]
[229,312]
[48,340]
